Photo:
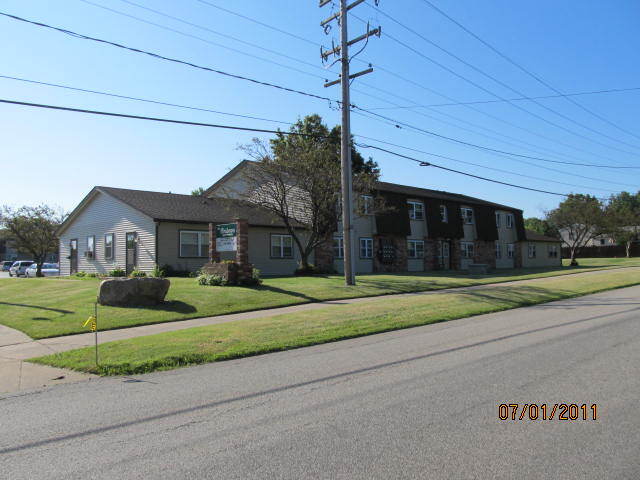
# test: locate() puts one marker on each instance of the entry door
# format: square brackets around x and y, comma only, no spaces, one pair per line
[132,252]
[73,256]
[445,263]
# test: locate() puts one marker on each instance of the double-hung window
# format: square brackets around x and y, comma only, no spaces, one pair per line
[415,248]
[338,247]
[498,219]
[532,250]
[509,220]
[510,250]
[194,244]
[281,246]
[108,246]
[498,250]
[416,210]
[553,251]
[466,249]
[467,215]
[367,204]
[444,214]
[366,248]
[91,246]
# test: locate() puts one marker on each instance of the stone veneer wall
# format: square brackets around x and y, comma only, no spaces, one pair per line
[517,255]
[431,252]
[455,255]
[485,252]
[400,247]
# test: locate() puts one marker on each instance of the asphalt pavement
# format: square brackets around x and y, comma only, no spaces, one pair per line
[415,403]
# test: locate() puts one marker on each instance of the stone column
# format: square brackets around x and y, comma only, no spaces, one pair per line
[431,253]
[214,256]
[242,247]
[517,254]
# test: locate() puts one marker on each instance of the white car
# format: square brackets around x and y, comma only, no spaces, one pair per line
[19,267]
[48,270]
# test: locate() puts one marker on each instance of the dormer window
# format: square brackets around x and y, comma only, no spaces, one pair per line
[467,215]
[416,210]
[444,214]
[367,204]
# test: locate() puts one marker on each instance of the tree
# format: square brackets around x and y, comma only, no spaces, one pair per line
[198,192]
[297,177]
[623,218]
[581,218]
[33,230]
[543,227]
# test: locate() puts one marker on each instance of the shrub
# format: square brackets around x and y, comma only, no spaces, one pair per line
[137,274]
[211,280]
[92,275]
[80,274]
[157,272]
[117,272]
[169,271]
[254,280]
[304,271]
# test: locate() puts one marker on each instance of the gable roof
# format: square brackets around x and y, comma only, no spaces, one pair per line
[438,194]
[537,237]
[226,176]
[173,207]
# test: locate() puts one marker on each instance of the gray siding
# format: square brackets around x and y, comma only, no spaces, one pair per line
[542,258]
[104,214]
[505,237]
[260,254]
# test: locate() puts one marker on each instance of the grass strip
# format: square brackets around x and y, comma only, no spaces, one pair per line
[258,336]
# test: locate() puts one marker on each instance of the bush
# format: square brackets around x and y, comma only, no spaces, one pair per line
[92,275]
[304,271]
[254,280]
[80,274]
[117,272]
[169,271]
[137,274]
[211,280]
[157,272]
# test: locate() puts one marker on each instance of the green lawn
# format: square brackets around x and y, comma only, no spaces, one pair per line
[251,337]
[48,307]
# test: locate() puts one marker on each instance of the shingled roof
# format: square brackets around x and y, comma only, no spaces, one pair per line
[537,237]
[437,194]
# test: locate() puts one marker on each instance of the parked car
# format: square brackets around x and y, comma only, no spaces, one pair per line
[48,270]
[18,268]
[7,265]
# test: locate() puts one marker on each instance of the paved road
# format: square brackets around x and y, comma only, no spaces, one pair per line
[418,403]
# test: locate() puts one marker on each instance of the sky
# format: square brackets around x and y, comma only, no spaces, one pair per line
[422,61]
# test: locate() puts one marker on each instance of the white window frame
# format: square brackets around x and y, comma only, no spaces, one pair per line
[367,204]
[511,250]
[498,215]
[531,250]
[468,216]
[412,249]
[498,250]
[200,234]
[91,247]
[282,237]
[366,245]
[467,250]
[509,220]
[338,247]
[444,214]
[553,251]
[413,210]
[112,255]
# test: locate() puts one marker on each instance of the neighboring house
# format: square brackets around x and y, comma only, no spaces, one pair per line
[9,252]
[597,241]
[420,230]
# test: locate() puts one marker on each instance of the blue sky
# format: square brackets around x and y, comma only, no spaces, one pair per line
[575,46]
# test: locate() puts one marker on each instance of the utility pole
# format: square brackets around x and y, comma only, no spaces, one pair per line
[345,145]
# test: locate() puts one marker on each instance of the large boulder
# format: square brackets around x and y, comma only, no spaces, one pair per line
[133,292]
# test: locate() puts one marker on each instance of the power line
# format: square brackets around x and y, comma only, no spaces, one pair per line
[240,77]
[169,59]
[479,102]
[528,72]
[248,129]
[500,83]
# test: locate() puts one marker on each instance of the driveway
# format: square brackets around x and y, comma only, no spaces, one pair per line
[415,403]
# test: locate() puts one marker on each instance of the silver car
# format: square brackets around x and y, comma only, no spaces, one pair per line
[48,270]
[19,268]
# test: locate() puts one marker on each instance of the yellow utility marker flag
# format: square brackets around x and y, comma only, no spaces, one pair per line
[90,319]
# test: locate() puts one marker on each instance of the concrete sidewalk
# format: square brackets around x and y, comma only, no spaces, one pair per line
[16,347]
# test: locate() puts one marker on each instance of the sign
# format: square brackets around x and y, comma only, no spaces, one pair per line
[226,237]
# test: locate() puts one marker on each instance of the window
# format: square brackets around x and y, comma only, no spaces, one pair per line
[415,248]
[509,220]
[194,244]
[108,246]
[281,246]
[416,210]
[366,248]
[553,251]
[498,250]
[466,249]
[444,214]
[338,247]
[367,204]
[532,250]
[497,220]
[91,246]
[602,241]
[510,250]
[467,215]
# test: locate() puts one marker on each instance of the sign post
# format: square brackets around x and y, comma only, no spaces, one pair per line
[92,322]
[226,237]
